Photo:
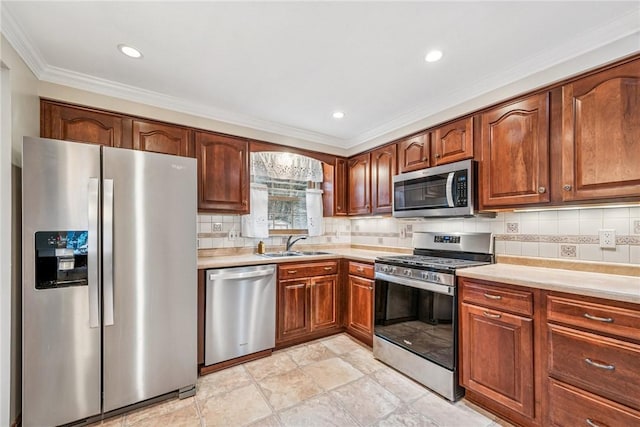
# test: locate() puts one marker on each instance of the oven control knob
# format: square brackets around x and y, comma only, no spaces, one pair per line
[436,278]
[425,275]
[385,268]
[407,272]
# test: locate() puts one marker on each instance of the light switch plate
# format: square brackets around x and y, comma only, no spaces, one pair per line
[607,238]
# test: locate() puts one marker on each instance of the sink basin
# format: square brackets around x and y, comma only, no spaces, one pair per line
[314,253]
[293,253]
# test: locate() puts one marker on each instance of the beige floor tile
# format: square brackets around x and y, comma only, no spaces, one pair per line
[310,353]
[117,421]
[499,422]
[184,417]
[157,410]
[447,414]
[222,382]
[332,373]
[238,407]
[277,363]
[363,360]
[319,411]
[341,344]
[289,389]
[405,417]
[271,421]
[366,400]
[401,386]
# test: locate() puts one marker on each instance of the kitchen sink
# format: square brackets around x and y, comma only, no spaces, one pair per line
[293,253]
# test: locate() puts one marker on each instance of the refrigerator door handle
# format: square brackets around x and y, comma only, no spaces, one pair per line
[92,253]
[107,251]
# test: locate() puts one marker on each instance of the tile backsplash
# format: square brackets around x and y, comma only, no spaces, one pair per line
[564,234]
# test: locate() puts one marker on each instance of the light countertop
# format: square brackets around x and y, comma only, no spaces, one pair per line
[600,285]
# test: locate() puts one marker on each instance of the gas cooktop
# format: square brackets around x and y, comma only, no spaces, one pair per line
[422,261]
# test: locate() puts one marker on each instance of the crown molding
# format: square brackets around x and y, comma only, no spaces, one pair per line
[21,42]
[624,26]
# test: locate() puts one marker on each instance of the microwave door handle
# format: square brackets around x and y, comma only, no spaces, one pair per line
[107,251]
[92,254]
[450,189]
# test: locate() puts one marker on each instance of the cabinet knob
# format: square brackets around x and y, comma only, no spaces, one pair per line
[541,190]
[424,159]
[244,203]
[437,156]
[566,187]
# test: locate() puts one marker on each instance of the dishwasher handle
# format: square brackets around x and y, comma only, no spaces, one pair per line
[225,275]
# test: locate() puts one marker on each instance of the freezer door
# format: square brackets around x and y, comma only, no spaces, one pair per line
[61,350]
[149,275]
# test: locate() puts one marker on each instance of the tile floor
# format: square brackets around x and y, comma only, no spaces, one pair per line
[333,381]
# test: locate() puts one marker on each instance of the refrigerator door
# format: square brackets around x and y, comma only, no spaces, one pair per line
[61,350]
[149,275]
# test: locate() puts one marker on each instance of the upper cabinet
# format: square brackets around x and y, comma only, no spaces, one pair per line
[359,179]
[223,173]
[414,153]
[162,138]
[383,168]
[340,187]
[80,124]
[452,142]
[601,135]
[515,153]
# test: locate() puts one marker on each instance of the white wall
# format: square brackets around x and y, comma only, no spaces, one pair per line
[23,119]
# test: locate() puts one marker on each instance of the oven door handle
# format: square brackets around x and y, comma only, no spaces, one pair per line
[426,286]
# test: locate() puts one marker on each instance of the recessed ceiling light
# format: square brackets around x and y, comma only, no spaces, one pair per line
[338,115]
[433,56]
[131,52]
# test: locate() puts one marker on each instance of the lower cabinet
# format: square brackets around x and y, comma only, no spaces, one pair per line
[308,302]
[360,301]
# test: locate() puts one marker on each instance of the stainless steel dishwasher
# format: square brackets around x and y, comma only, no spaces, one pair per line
[240,312]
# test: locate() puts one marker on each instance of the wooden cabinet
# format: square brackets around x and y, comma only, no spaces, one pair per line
[340,192]
[360,301]
[223,173]
[452,142]
[593,361]
[162,138]
[383,168]
[308,302]
[414,153]
[497,356]
[359,181]
[601,135]
[515,154]
[73,123]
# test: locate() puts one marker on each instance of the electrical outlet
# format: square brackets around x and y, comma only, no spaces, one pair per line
[607,238]
[217,226]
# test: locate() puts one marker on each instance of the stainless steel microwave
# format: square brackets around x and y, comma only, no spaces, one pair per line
[441,191]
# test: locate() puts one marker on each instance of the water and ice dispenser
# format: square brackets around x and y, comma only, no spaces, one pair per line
[61,259]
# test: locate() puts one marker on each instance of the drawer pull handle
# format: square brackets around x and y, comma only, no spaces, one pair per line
[292,271]
[599,319]
[491,315]
[492,296]
[600,365]
[328,268]
[360,269]
[592,423]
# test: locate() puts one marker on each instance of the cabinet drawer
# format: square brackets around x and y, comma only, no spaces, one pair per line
[570,406]
[597,317]
[361,269]
[515,301]
[294,271]
[605,366]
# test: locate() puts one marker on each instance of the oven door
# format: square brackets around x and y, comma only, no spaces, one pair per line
[417,316]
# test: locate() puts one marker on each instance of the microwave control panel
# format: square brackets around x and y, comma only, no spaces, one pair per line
[460,189]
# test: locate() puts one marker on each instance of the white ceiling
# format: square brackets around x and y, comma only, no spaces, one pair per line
[285,67]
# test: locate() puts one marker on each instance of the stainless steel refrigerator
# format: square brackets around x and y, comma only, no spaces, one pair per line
[109,279]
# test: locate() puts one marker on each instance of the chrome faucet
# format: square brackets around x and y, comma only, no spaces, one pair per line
[290,242]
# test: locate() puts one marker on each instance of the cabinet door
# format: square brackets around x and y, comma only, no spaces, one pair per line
[601,135]
[161,138]
[82,125]
[359,184]
[497,357]
[340,191]
[324,313]
[453,142]
[414,153]
[383,168]
[515,154]
[360,309]
[223,173]
[293,306]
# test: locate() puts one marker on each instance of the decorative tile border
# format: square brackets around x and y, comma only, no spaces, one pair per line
[569,238]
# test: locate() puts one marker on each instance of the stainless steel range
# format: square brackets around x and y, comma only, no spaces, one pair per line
[415,329]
